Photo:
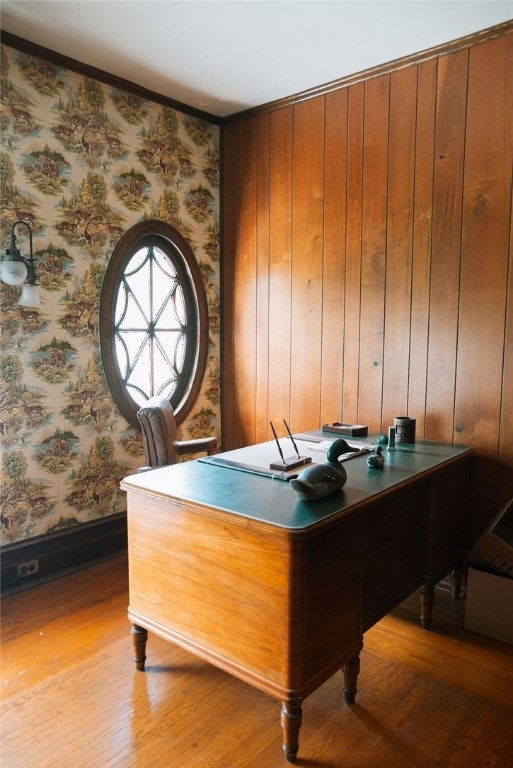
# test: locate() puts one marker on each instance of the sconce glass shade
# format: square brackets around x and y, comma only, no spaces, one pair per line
[29,296]
[13,272]
[14,269]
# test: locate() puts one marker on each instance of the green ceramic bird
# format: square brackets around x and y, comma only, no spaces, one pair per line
[320,480]
[376,460]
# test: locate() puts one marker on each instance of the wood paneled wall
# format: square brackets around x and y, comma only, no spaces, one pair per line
[367,260]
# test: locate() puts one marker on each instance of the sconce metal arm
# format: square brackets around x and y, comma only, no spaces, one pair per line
[13,254]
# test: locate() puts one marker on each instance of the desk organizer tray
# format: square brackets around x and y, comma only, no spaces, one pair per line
[349,430]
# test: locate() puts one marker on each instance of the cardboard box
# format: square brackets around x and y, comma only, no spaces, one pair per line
[495,547]
[489,605]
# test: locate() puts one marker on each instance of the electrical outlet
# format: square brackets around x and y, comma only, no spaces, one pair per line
[28,569]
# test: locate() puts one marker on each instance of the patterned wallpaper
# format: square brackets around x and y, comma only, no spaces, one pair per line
[81,162]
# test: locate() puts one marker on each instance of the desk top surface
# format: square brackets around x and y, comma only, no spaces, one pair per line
[272,501]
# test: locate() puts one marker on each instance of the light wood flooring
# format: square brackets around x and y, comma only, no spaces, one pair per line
[72,698]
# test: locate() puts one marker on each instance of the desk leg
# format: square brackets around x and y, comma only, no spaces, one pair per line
[427,599]
[350,671]
[139,637]
[291,719]
[456,579]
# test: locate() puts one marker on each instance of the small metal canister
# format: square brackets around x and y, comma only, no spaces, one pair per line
[404,429]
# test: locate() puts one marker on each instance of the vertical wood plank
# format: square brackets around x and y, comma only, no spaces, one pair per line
[307,233]
[352,298]
[505,478]
[334,263]
[446,239]
[227,289]
[262,285]
[396,355]
[421,267]
[484,261]
[244,281]
[280,263]
[374,223]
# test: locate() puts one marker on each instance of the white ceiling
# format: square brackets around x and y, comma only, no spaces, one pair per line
[223,57]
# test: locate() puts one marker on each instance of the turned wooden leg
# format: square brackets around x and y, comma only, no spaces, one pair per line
[456,577]
[291,719]
[139,637]
[351,670]
[427,599]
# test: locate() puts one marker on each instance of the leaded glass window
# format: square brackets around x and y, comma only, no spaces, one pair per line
[154,340]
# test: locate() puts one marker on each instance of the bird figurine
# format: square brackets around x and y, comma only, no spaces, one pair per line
[376,460]
[320,480]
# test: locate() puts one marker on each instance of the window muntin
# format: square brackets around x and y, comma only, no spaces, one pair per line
[154,320]
[154,325]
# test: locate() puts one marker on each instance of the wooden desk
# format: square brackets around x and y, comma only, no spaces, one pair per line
[236,569]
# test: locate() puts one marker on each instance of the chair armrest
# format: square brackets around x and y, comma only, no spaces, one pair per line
[184,447]
[198,445]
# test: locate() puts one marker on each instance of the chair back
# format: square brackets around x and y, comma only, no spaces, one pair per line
[159,432]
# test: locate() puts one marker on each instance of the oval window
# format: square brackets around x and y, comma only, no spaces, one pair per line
[153,321]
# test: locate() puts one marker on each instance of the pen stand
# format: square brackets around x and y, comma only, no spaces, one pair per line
[291,463]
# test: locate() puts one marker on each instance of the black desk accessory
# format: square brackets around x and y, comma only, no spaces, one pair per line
[292,461]
[349,430]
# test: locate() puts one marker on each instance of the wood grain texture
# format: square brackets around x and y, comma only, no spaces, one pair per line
[262,285]
[390,259]
[374,234]
[71,696]
[250,598]
[334,256]
[399,255]
[244,280]
[307,266]
[354,148]
[422,224]
[446,243]
[280,265]
[485,262]
[279,594]
[505,478]
[226,580]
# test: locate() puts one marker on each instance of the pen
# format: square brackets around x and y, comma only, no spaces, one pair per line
[277,442]
[290,435]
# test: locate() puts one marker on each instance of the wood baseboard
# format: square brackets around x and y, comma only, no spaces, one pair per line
[28,563]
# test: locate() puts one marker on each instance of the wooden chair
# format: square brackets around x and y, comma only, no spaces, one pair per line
[160,435]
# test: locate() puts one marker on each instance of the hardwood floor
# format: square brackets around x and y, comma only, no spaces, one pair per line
[72,698]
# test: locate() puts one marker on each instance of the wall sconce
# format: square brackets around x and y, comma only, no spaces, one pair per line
[15,269]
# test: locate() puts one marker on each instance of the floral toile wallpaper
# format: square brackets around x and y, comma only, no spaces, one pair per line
[81,162]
